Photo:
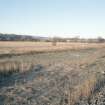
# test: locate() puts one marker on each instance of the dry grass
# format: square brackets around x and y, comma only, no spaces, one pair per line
[26,47]
[58,66]
[10,67]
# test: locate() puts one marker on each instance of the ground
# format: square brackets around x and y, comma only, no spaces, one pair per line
[52,77]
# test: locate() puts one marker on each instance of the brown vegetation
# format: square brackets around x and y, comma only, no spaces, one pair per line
[57,78]
[32,47]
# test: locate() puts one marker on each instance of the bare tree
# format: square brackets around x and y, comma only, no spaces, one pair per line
[54,41]
[100,39]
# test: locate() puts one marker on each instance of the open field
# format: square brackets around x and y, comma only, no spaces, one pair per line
[41,74]
[17,47]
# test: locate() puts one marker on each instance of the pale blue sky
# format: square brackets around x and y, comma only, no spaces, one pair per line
[66,18]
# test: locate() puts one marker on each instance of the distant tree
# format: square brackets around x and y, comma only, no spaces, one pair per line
[76,38]
[100,39]
[54,41]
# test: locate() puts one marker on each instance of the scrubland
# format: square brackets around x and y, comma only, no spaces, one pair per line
[37,73]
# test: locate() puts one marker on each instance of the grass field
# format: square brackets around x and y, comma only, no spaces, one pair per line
[27,47]
[37,73]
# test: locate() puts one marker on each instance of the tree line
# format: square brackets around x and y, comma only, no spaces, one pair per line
[14,37]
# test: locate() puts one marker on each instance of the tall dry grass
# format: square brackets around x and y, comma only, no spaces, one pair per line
[82,90]
[86,89]
[8,68]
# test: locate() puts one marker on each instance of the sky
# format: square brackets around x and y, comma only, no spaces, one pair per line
[64,18]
